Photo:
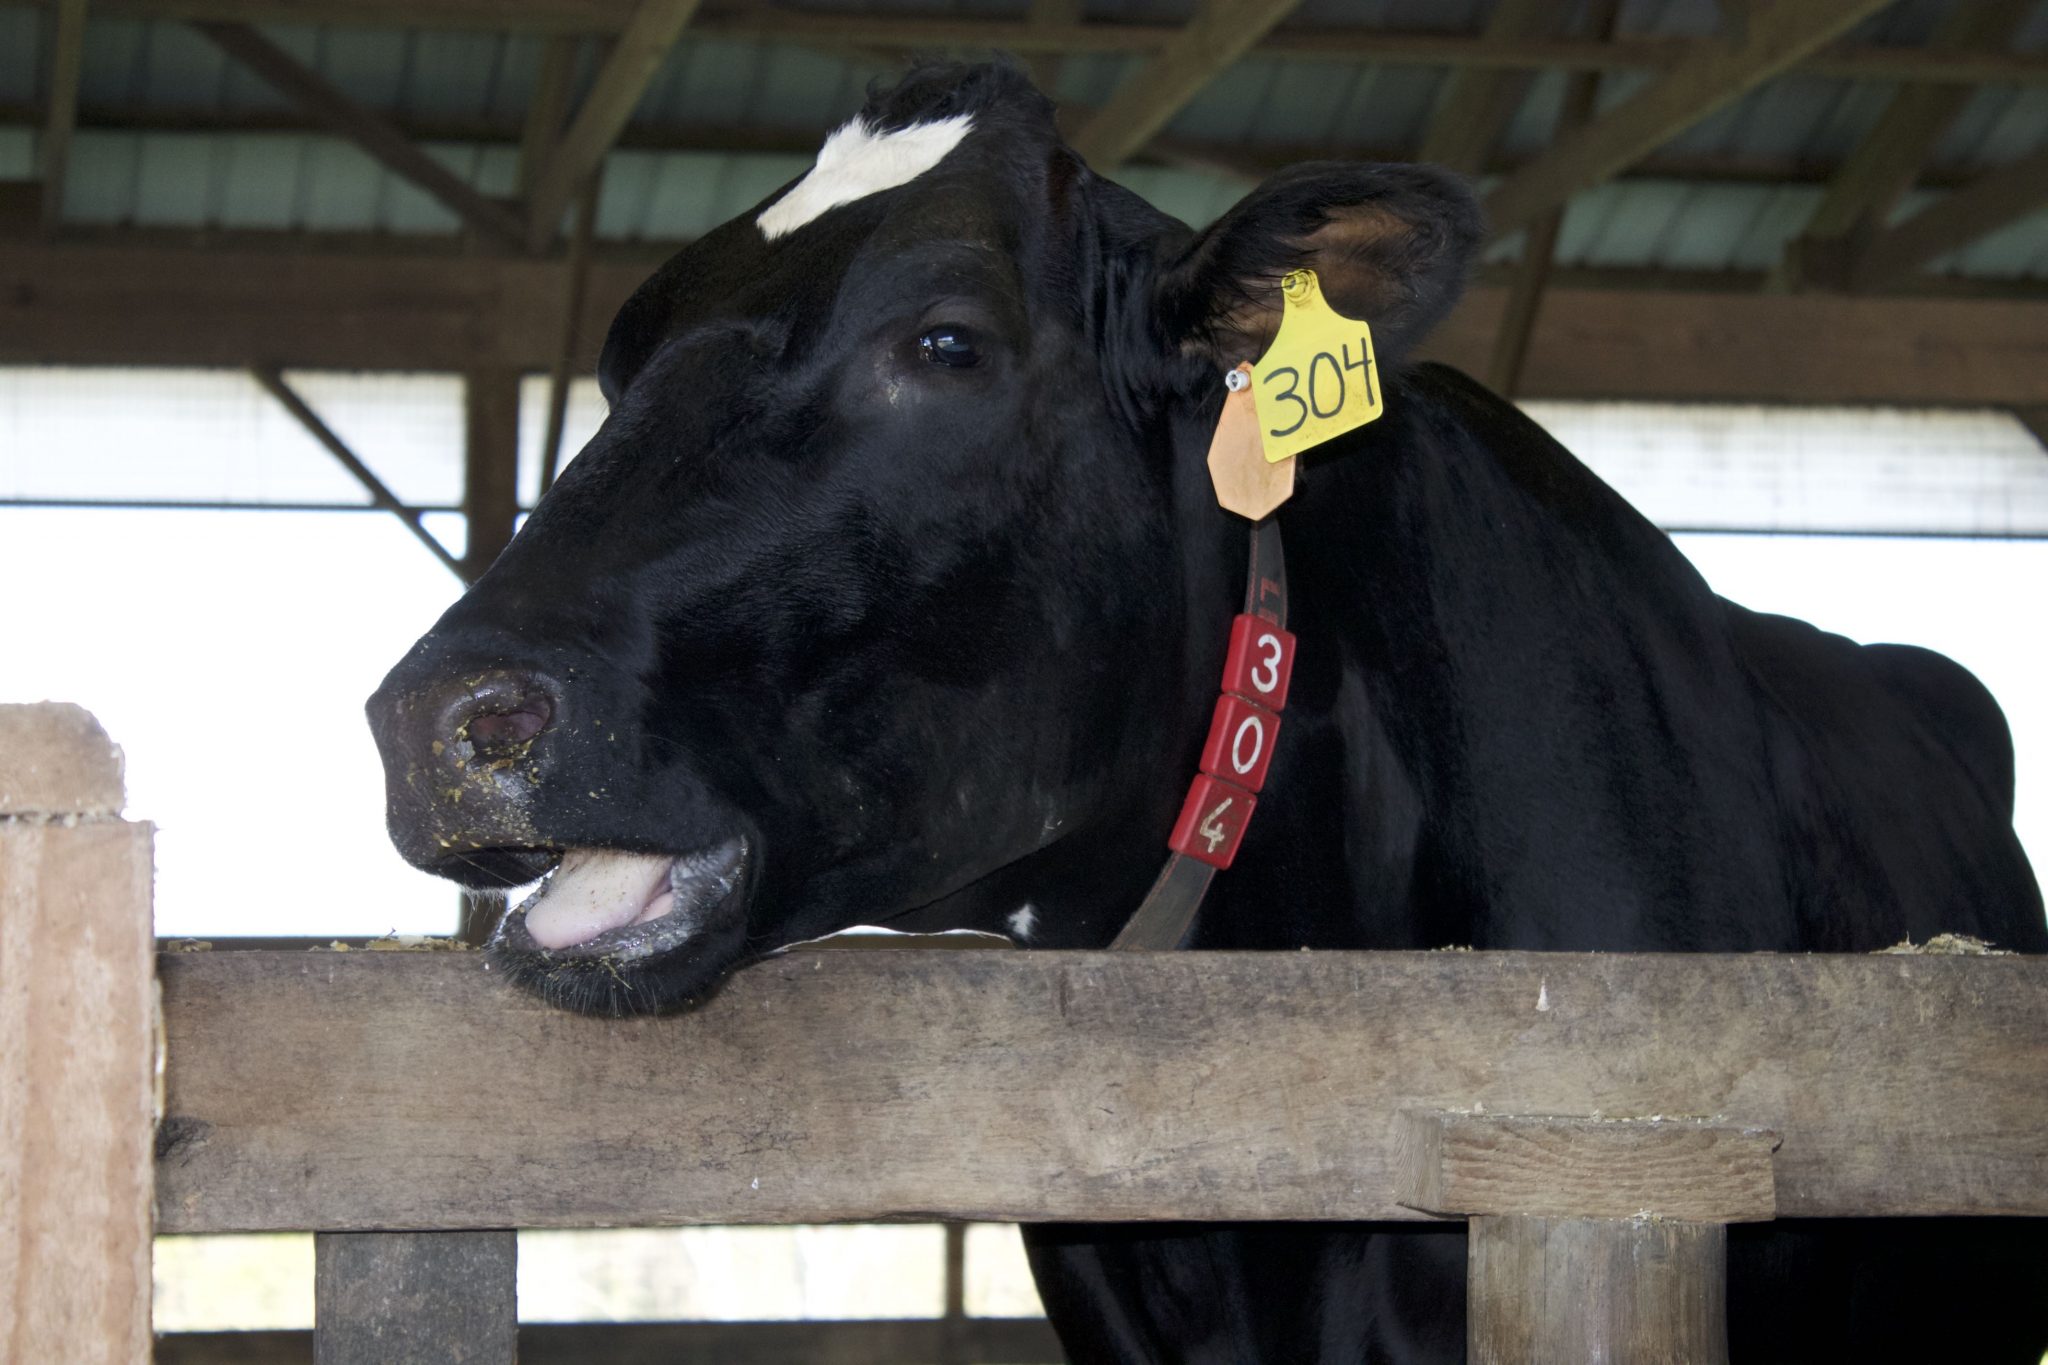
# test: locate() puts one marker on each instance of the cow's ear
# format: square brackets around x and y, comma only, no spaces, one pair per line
[1390,243]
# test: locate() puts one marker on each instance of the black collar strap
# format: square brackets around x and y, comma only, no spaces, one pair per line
[1241,736]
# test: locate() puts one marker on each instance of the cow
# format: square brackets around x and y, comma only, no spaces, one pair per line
[894,589]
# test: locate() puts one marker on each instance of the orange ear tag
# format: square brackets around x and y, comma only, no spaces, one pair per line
[1246,483]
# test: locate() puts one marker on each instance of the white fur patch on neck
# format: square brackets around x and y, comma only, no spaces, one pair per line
[857,161]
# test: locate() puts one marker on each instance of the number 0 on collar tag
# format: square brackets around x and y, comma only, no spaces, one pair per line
[1318,379]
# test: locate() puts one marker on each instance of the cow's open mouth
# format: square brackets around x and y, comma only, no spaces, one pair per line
[604,904]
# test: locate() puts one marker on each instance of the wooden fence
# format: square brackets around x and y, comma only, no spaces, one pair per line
[1599,1119]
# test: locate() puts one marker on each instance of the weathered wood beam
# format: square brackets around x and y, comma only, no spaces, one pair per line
[1887,163]
[1223,157]
[642,47]
[490,465]
[1545,1291]
[1007,1086]
[547,109]
[273,382]
[575,290]
[1474,1165]
[1349,44]
[1722,70]
[369,130]
[1050,15]
[60,114]
[77,1045]
[1220,32]
[978,1341]
[1539,243]
[419,1298]
[1628,335]
[1475,105]
[1985,205]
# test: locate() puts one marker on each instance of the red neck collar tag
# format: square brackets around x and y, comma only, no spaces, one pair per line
[1242,733]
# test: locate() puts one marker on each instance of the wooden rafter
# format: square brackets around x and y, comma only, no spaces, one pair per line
[1625,335]
[1347,44]
[1220,33]
[1539,246]
[546,110]
[1889,160]
[1249,161]
[621,81]
[273,382]
[1723,70]
[60,117]
[1980,208]
[368,129]
[1050,14]
[1476,104]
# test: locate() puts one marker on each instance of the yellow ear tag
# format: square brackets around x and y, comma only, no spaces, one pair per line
[1318,379]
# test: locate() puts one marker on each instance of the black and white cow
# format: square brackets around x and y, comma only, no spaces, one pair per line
[894,589]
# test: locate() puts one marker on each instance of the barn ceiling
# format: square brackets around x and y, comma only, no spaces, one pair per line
[202,181]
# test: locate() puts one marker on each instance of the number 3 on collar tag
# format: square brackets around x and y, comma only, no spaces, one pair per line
[1318,379]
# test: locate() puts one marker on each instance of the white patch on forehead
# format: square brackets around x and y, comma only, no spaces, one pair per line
[1022,921]
[857,161]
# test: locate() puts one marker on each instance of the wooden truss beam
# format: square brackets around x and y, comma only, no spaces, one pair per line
[641,49]
[1350,44]
[1633,336]
[1539,244]
[60,117]
[1220,32]
[1050,15]
[1037,1085]
[366,128]
[1862,194]
[1978,209]
[1249,161]
[288,398]
[1722,70]
[490,465]
[1476,103]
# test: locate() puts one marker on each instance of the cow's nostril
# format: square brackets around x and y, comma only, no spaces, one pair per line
[505,729]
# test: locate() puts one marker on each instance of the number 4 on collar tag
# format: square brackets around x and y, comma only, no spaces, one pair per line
[1318,379]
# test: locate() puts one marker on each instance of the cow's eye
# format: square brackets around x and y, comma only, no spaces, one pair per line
[948,346]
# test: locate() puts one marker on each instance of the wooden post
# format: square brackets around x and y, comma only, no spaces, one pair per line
[490,507]
[1591,1239]
[1628,1291]
[415,1298]
[490,468]
[77,1046]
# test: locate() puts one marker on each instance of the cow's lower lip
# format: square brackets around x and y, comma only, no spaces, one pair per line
[614,906]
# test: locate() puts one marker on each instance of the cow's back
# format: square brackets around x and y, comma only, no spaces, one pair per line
[1893,772]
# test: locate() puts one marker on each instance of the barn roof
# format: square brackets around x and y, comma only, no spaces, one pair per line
[173,132]
[1668,151]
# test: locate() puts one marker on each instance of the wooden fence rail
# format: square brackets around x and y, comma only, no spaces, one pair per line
[412,1108]
[366,1090]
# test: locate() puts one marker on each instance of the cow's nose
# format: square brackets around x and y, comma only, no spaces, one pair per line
[462,767]
[498,713]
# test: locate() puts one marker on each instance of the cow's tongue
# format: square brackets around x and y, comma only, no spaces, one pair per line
[595,891]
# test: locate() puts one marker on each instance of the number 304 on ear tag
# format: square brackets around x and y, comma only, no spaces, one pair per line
[1318,379]
[1245,483]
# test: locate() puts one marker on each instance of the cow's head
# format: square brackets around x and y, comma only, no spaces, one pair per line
[892,588]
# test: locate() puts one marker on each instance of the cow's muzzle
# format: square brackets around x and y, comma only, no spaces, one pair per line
[464,758]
